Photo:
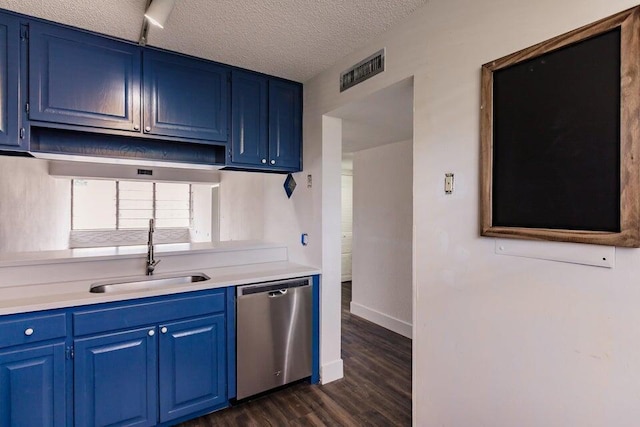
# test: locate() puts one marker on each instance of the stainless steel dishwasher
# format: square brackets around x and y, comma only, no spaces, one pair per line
[273,335]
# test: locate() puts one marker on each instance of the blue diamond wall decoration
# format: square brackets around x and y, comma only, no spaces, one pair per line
[289,185]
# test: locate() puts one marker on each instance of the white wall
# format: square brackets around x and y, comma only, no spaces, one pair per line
[286,219]
[35,209]
[255,206]
[331,366]
[498,341]
[382,235]
[241,206]
[215,214]
[346,239]
[201,205]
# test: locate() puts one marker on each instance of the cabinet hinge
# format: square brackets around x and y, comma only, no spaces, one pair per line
[25,34]
[26,107]
[69,352]
[21,133]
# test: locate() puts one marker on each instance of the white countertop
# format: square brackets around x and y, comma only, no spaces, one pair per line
[29,298]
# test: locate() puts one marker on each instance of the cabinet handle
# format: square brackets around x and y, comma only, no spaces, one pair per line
[136,127]
[152,332]
[28,332]
[273,162]
[264,160]
[163,330]
[147,129]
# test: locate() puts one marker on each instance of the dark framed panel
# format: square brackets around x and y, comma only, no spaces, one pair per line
[560,125]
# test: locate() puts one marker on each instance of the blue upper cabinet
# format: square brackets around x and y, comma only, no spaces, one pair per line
[266,123]
[9,72]
[249,119]
[82,79]
[285,124]
[185,97]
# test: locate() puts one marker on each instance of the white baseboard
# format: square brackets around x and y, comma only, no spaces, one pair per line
[396,325]
[331,371]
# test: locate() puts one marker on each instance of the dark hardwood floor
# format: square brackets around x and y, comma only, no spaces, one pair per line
[375,390]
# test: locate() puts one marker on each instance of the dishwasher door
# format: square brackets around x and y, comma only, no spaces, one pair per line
[273,335]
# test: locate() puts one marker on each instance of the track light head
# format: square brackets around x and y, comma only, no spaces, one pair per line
[158,12]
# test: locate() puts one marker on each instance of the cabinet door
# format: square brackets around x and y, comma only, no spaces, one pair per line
[285,124]
[249,119]
[83,79]
[192,366]
[185,97]
[9,71]
[115,379]
[32,386]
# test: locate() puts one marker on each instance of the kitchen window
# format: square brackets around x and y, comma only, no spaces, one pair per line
[113,213]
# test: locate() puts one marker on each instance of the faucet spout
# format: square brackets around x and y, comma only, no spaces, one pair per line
[151,261]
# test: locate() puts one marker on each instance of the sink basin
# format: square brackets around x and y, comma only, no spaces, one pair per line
[147,283]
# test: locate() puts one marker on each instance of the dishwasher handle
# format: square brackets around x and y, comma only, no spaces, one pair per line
[273,289]
[278,293]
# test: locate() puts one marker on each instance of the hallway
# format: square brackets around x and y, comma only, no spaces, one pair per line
[375,390]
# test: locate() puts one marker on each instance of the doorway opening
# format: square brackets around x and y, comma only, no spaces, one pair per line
[377,205]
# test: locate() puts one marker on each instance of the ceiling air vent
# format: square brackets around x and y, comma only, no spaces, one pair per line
[363,70]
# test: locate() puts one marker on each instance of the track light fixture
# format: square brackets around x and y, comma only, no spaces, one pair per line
[158,11]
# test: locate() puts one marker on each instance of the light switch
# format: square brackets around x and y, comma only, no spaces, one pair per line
[448,183]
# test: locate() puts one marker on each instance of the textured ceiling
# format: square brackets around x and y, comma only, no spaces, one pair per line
[295,39]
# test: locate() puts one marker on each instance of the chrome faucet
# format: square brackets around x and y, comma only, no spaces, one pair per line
[151,261]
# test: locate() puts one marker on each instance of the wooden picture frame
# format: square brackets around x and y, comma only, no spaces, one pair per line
[627,231]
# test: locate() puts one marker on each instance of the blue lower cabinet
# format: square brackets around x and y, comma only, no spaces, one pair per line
[192,366]
[32,386]
[169,365]
[115,379]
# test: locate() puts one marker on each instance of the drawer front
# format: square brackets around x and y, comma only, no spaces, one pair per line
[113,317]
[26,330]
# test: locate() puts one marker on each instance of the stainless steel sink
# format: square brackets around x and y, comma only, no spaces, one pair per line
[147,283]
